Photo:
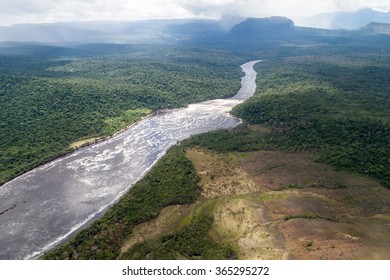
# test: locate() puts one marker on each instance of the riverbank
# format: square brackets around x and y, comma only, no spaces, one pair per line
[91,140]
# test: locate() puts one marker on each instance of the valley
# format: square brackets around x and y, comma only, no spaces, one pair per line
[299,170]
[269,188]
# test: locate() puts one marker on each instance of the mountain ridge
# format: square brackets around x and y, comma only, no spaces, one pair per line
[171,31]
[345,20]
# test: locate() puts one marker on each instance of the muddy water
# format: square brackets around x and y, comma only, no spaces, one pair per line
[48,204]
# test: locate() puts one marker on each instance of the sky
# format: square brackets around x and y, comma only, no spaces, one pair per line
[46,11]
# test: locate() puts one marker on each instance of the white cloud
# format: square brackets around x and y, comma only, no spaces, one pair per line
[292,8]
[19,11]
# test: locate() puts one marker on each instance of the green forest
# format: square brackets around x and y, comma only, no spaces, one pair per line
[338,107]
[54,97]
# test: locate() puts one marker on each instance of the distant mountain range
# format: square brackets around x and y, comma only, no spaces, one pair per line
[344,20]
[227,30]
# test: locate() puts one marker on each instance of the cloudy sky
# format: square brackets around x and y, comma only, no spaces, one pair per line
[35,11]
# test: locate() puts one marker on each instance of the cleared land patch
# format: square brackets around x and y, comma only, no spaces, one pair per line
[220,175]
[321,213]
[277,205]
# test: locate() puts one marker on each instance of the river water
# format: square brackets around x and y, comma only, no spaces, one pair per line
[50,203]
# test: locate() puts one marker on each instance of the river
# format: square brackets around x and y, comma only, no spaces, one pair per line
[50,203]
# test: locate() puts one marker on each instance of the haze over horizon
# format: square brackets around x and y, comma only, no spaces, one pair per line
[52,11]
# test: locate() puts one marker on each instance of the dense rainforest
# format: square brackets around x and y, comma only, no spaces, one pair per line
[51,97]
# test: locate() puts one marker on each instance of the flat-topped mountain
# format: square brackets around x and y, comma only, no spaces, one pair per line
[272,27]
[229,29]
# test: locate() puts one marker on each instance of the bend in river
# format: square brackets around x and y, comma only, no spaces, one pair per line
[45,206]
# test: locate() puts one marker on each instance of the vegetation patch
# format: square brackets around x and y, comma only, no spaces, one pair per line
[83,142]
[191,242]
[127,118]
[308,215]
[167,221]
